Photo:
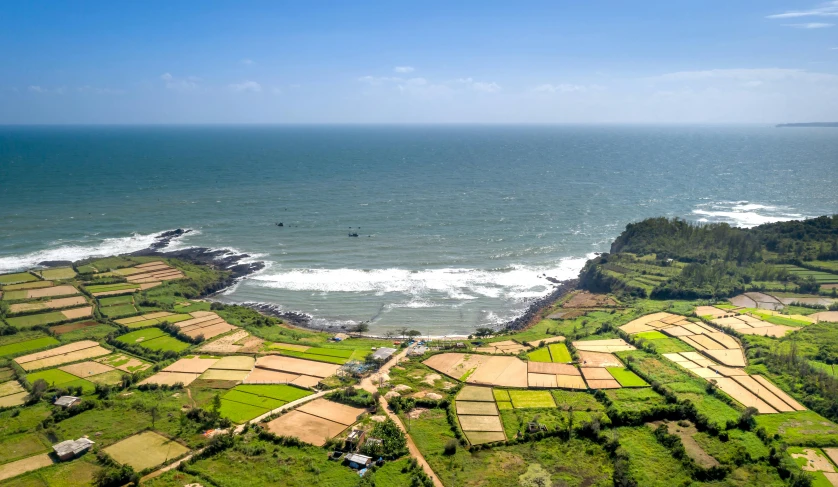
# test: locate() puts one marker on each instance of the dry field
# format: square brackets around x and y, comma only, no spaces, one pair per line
[124,362]
[72,352]
[584,299]
[171,378]
[14,469]
[48,292]
[606,346]
[473,393]
[481,423]
[310,429]
[145,450]
[333,411]
[235,363]
[507,347]
[205,323]
[86,369]
[12,394]
[193,365]
[296,366]
[598,359]
[49,304]
[238,342]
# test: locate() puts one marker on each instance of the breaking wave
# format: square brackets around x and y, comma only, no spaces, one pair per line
[743,213]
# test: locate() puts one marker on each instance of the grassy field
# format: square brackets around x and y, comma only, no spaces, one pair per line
[108,263]
[22,347]
[118,311]
[739,446]
[173,478]
[559,353]
[531,399]
[670,345]
[66,474]
[115,300]
[639,401]
[53,377]
[58,274]
[239,413]
[627,378]
[111,287]
[280,391]
[17,278]
[273,465]
[145,450]
[820,277]
[572,463]
[650,335]
[650,463]
[540,355]
[806,428]
[96,332]
[28,321]
[21,446]
[154,339]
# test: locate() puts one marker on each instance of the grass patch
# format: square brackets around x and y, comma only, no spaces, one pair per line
[118,311]
[501,395]
[650,463]
[96,332]
[166,343]
[279,391]
[806,428]
[154,339]
[626,378]
[540,355]
[317,358]
[574,463]
[141,336]
[239,413]
[20,446]
[19,348]
[741,447]
[650,335]
[633,405]
[252,399]
[116,300]
[65,474]
[670,345]
[559,353]
[53,377]
[111,287]
[531,399]
[17,278]
[58,274]
[28,321]
[579,401]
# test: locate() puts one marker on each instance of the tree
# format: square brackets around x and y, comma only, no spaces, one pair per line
[154,412]
[389,334]
[414,333]
[483,332]
[39,387]
[403,331]
[362,327]
[216,404]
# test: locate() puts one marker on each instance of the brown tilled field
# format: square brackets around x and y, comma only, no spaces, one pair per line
[310,429]
[333,411]
[584,299]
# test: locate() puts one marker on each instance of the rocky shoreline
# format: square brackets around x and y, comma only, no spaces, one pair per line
[536,306]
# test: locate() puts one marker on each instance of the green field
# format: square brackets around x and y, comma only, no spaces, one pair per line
[540,355]
[315,357]
[278,391]
[650,463]
[579,401]
[28,321]
[111,287]
[650,335]
[20,348]
[239,413]
[14,295]
[118,311]
[58,274]
[154,339]
[531,399]
[252,399]
[627,378]
[734,449]
[17,278]
[96,332]
[559,353]
[20,446]
[820,277]
[65,474]
[53,377]
[805,428]
[115,300]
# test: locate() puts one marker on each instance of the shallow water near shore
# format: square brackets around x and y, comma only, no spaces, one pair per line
[457,226]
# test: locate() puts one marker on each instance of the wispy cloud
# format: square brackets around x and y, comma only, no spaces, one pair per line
[565,88]
[810,25]
[480,86]
[828,9]
[745,74]
[247,62]
[46,91]
[246,86]
[99,91]
[180,84]
[403,69]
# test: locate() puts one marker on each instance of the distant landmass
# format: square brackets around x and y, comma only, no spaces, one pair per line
[809,124]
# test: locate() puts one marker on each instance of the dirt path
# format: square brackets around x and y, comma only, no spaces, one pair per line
[368,385]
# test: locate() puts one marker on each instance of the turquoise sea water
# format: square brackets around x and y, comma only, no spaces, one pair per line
[458,225]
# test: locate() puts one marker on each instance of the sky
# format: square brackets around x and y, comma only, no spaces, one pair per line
[556,61]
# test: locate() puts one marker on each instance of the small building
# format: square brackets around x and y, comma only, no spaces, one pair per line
[354,439]
[358,461]
[339,337]
[383,354]
[70,449]
[67,401]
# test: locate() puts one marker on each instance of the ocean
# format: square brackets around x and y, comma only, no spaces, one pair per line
[458,226]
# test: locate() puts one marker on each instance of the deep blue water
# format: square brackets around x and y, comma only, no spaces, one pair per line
[458,224]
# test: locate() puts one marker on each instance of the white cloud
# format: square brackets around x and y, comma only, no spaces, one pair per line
[763,74]
[247,62]
[565,88]
[99,91]
[828,9]
[810,25]
[246,86]
[403,69]
[44,91]
[377,80]
[481,86]
[181,84]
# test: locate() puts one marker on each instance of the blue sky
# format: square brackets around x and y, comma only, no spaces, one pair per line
[702,61]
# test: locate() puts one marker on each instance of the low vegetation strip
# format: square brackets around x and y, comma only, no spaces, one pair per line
[531,399]
[559,353]
[13,349]
[627,378]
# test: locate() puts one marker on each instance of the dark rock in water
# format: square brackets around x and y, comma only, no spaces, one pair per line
[56,263]
[554,280]
[290,317]
[164,239]
[280,224]
[522,321]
